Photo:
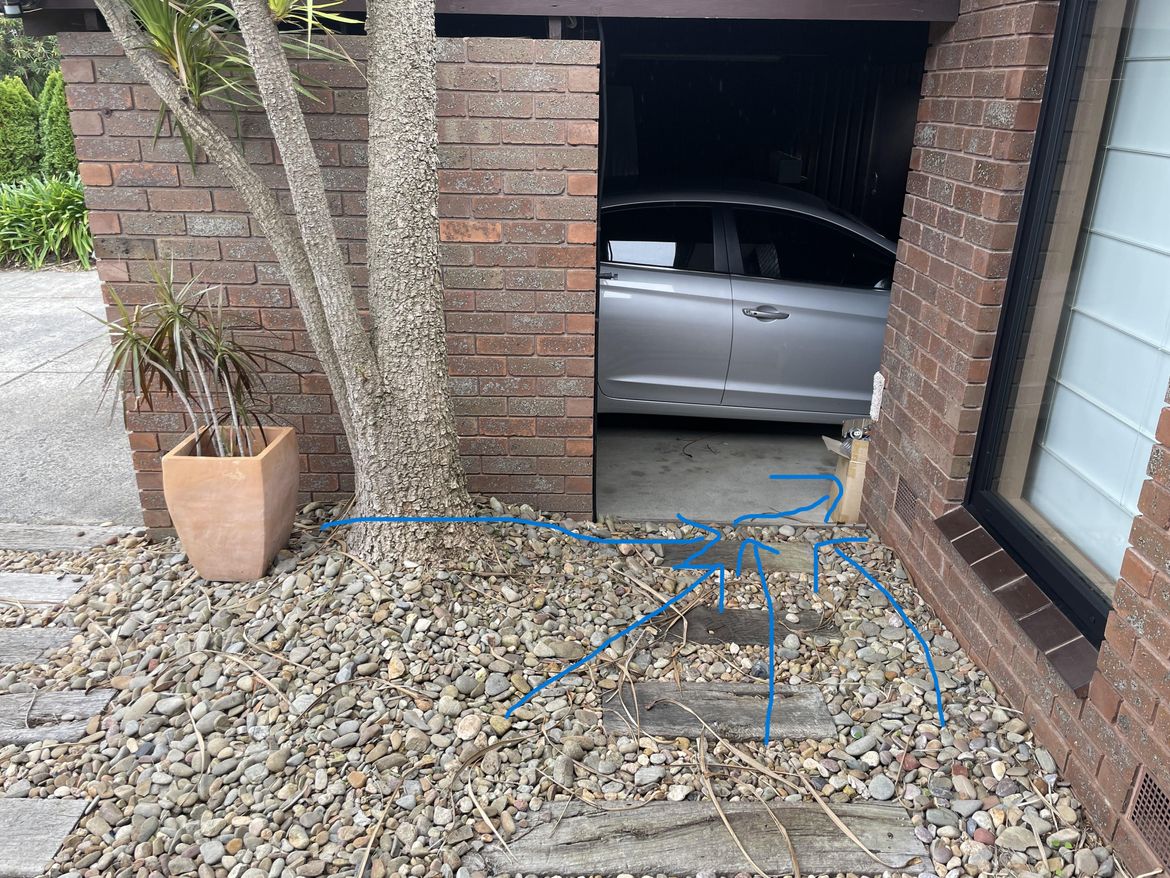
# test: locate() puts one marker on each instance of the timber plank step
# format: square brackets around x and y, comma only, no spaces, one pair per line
[56,537]
[21,645]
[31,831]
[39,588]
[793,557]
[747,627]
[43,716]
[684,838]
[734,710]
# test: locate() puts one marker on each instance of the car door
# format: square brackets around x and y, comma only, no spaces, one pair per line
[810,305]
[664,310]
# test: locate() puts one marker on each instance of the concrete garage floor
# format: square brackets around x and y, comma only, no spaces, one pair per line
[649,468]
[63,459]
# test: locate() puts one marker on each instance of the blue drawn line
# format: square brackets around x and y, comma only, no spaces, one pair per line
[682,594]
[756,546]
[506,519]
[784,514]
[689,563]
[686,563]
[942,720]
[817,556]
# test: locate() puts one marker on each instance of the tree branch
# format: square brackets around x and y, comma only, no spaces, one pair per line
[282,106]
[262,202]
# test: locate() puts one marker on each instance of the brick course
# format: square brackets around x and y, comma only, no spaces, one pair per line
[980,102]
[518,184]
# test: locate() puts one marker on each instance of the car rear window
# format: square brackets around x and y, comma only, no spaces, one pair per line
[662,236]
[787,246]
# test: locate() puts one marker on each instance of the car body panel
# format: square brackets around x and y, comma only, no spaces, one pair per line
[667,334]
[821,358]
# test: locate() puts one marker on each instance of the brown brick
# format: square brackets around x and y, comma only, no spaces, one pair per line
[581,133]
[86,123]
[500,50]
[532,131]
[458,230]
[566,106]
[582,233]
[98,97]
[95,174]
[145,174]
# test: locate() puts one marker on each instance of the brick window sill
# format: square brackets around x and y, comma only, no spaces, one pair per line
[1071,655]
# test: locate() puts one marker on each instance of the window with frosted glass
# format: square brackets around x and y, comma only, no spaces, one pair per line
[1094,363]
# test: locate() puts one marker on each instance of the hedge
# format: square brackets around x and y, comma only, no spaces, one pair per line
[19,146]
[58,158]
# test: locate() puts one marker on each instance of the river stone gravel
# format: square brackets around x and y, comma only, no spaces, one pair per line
[335,718]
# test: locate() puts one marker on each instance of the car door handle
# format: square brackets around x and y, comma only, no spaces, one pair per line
[607,275]
[765,314]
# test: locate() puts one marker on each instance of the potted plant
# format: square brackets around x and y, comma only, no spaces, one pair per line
[231,485]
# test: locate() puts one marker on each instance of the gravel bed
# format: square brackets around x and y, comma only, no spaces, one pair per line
[335,719]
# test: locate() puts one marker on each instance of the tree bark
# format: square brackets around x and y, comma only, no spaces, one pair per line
[406,295]
[391,386]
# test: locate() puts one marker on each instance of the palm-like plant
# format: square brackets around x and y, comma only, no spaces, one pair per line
[179,344]
[199,41]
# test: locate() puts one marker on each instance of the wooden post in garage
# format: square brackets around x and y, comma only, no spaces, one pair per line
[851,456]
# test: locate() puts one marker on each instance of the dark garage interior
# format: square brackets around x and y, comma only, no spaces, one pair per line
[827,107]
[824,106]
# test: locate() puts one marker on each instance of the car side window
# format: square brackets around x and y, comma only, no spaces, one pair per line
[787,246]
[662,236]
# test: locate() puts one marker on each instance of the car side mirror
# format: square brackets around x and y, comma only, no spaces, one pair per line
[883,284]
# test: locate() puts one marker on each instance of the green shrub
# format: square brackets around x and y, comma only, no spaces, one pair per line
[57,155]
[30,58]
[19,149]
[43,217]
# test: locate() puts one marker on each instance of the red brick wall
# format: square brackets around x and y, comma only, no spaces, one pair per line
[518,183]
[984,78]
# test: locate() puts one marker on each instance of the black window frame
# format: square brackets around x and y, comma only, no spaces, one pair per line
[735,251]
[718,241]
[1058,577]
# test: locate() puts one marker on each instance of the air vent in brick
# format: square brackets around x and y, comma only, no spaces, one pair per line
[1150,813]
[906,503]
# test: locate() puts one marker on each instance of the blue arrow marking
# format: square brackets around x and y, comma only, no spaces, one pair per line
[942,720]
[817,556]
[692,562]
[678,597]
[756,546]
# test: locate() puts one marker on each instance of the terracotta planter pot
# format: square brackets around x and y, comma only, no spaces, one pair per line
[233,514]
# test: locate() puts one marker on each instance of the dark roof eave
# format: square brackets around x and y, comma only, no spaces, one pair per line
[57,15]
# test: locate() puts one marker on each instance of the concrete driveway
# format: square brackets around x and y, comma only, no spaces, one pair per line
[63,459]
[649,469]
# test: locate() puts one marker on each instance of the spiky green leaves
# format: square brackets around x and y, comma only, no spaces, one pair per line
[43,218]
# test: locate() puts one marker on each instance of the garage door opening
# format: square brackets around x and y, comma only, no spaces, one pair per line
[753,175]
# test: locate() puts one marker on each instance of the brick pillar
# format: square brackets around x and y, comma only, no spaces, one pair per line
[518,181]
[980,102]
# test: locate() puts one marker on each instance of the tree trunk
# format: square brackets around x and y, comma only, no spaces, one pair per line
[390,384]
[421,460]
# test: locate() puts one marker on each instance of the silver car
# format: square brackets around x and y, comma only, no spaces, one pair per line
[766,304]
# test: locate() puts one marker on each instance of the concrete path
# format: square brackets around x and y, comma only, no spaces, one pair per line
[64,460]
[649,469]
[33,828]
[38,588]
